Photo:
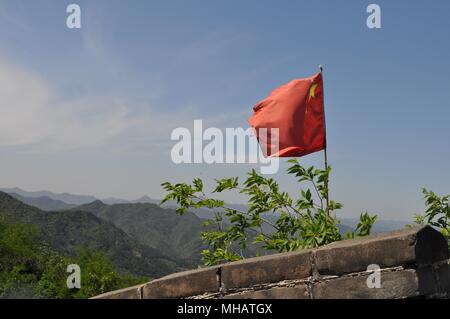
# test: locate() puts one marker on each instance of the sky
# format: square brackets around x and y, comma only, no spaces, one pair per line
[91,110]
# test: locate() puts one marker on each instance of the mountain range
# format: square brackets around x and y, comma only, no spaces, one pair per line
[50,201]
[139,236]
[156,227]
[67,198]
[65,231]
[44,199]
[43,202]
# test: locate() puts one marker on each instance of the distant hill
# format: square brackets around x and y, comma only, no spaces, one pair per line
[44,202]
[72,200]
[64,197]
[156,227]
[145,199]
[113,200]
[161,228]
[380,226]
[66,230]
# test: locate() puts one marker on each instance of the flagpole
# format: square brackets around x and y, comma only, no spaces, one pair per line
[325,146]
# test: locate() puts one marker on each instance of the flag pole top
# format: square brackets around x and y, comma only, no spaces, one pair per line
[320,68]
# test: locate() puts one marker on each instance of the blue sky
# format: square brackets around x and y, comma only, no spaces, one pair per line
[91,111]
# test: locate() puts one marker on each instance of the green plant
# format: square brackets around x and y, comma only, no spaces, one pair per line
[29,269]
[273,219]
[98,275]
[20,264]
[437,213]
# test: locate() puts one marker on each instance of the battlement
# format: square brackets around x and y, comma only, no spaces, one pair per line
[408,263]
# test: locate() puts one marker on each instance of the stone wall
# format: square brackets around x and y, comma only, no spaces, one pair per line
[412,263]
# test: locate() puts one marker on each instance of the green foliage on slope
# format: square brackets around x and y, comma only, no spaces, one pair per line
[156,227]
[29,269]
[65,231]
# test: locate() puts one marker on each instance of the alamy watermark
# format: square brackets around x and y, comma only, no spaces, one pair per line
[374,19]
[73,20]
[231,146]
[374,279]
[74,279]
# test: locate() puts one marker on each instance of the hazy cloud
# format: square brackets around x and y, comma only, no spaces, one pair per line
[31,113]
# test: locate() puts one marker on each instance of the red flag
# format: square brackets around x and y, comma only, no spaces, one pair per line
[296,109]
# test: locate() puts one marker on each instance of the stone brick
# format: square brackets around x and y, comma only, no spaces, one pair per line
[183,284]
[267,269]
[415,246]
[127,293]
[394,285]
[297,292]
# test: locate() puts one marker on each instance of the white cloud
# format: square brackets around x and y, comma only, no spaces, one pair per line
[35,116]
[31,114]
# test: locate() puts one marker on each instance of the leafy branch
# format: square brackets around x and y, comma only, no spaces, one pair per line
[305,222]
[437,213]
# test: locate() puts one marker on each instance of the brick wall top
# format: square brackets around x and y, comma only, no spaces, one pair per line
[413,262]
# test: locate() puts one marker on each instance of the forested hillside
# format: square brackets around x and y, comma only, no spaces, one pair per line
[66,231]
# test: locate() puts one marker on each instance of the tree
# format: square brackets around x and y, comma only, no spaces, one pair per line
[30,269]
[20,265]
[273,219]
[98,275]
[437,213]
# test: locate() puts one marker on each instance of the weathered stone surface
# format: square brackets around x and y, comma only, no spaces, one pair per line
[297,292]
[422,251]
[127,293]
[430,246]
[394,285]
[184,284]
[421,245]
[267,269]
[427,279]
[443,274]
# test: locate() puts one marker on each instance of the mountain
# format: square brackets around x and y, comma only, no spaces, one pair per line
[64,197]
[146,199]
[65,231]
[380,226]
[114,200]
[203,213]
[44,202]
[165,230]
[156,227]
[71,200]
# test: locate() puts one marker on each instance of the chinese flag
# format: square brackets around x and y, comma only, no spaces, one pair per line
[296,109]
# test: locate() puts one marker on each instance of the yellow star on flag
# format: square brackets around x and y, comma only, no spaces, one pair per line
[312,94]
[312,91]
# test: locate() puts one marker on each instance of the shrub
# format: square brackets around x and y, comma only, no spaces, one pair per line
[273,218]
